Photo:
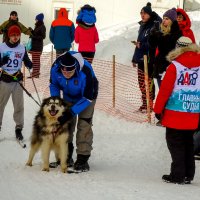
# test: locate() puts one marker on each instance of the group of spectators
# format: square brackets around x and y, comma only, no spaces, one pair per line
[62,34]
[173,60]
[174,64]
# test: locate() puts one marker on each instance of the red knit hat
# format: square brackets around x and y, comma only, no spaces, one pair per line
[14,30]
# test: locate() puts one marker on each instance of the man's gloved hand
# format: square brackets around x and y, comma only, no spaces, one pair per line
[158,116]
[66,116]
[4,60]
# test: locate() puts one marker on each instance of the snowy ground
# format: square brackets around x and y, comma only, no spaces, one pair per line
[127,162]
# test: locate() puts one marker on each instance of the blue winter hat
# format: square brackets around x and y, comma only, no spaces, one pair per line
[87,15]
[40,17]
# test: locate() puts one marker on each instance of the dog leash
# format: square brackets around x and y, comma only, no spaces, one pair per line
[35,86]
[28,93]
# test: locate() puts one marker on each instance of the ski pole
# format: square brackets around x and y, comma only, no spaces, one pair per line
[35,86]
[28,93]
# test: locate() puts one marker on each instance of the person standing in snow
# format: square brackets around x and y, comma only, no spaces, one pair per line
[149,19]
[74,77]
[13,20]
[178,107]
[86,34]
[12,53]
[163,39]
[38,35]
[185,24]
[62,32]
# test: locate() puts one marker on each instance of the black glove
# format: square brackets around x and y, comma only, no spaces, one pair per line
[158,116]
[4,60]
[156,28]
[157,25]
[66,116]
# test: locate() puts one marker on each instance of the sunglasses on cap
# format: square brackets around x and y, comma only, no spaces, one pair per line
[66,69]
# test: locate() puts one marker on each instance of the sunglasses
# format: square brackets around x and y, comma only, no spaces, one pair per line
[65,70]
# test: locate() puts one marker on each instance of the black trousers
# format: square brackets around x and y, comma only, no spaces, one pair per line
[181,148]
[88,55]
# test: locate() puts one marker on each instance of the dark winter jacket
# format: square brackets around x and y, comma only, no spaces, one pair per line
[62,31]
[39,34]
[7,24]
[143,36]
[164,43]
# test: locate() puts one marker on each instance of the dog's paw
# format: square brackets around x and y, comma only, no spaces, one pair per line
[64,169]
[29,164]
[46,169]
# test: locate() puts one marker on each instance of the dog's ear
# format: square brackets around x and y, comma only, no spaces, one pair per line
[44,102]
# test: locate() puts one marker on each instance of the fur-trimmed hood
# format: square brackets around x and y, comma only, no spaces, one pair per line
[188,56]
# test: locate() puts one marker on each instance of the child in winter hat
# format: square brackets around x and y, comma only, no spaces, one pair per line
[87,15]
[14,30]
[171,14]
[147,9]
[40,17]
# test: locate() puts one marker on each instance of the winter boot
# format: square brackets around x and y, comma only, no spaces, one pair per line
[188,180]
[70,161]
[18,133]
[170,179]
[81,164]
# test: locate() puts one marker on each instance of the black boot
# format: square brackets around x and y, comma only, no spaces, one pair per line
[81,164]
[188,180]
[70,161]
[170,179]
[18,133]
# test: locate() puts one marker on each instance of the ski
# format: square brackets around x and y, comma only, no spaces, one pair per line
[21,143]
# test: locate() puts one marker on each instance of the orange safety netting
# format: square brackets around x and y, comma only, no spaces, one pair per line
[121,88]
